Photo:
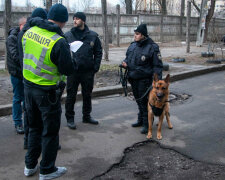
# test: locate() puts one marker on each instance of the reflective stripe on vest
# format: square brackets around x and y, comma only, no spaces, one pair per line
[37,65]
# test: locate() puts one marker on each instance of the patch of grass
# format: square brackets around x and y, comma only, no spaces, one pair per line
[4,72]
[109,67]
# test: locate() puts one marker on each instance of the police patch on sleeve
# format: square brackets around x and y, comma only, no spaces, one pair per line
[143,58]
[91,43]
[159,55]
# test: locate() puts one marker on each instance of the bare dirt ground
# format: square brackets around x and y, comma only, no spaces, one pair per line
[148,160]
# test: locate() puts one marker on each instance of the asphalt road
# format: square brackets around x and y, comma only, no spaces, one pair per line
[199,125]
[90,150]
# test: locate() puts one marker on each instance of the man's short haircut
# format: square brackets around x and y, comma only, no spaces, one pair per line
[22,21]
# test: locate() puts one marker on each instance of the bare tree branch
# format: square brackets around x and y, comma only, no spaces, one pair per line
[195,5]
[137,5]
[85,4]
[162,6]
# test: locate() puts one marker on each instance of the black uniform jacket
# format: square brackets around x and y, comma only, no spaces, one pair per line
[60,54]
[20,36]
[143,59]
[13,63]
[88,57]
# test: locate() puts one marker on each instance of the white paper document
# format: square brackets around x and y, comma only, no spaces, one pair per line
[74,46]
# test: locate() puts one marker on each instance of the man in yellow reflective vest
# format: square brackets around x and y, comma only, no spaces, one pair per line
[46,58]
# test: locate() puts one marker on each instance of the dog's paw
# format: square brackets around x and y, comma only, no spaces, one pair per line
[159,136]
[149,136]
[170,126]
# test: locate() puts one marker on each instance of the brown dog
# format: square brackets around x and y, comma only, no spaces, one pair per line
[158,104]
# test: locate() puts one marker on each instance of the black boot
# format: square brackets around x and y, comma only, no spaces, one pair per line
[139,121]
[144,129]
[89,120]
[19,129]
[137,124]
[71,125]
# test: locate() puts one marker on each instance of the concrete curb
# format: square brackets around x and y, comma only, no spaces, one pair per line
[110,90]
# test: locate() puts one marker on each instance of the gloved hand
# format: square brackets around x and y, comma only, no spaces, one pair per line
[60,88]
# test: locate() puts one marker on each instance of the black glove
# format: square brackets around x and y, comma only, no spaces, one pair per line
[60,88]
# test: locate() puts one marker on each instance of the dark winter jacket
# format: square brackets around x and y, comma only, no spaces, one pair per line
[223,39]
[88,57]
[13,63]
[143,59]
[60,54]
[20,36]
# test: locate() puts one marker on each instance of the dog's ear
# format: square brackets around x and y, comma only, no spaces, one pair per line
[167,80]
[155,77]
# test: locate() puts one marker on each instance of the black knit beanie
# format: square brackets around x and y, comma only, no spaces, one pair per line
[80,15]
[58,13]
[142,28]
[39,12]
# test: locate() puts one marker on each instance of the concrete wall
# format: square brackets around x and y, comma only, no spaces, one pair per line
[171,26]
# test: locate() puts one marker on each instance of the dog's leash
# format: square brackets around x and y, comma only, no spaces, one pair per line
[146,92]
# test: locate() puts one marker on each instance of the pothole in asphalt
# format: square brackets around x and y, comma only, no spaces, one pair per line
[149,160]
[179,98]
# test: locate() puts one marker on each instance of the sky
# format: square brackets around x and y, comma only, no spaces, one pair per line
[39,2]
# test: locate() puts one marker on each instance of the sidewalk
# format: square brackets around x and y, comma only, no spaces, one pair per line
[2,64]
[117,54]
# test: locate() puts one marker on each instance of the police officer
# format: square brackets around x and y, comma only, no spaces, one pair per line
[88,60]
[38,12]
[143,59]
[46,57]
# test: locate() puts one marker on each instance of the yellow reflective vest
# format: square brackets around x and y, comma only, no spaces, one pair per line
[37,65]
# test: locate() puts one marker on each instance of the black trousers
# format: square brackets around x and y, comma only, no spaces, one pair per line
[44,116]
[139,87]
[87,82]
[26,125]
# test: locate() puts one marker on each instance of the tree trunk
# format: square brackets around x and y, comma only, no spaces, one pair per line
[164,8]
[48,4]
[164,12]
[118,25]
[201,26]
[161,28]
[182,9]
[208,18]
[128,6]
[7,23]
[113,29]
[188,26]
[105,30]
